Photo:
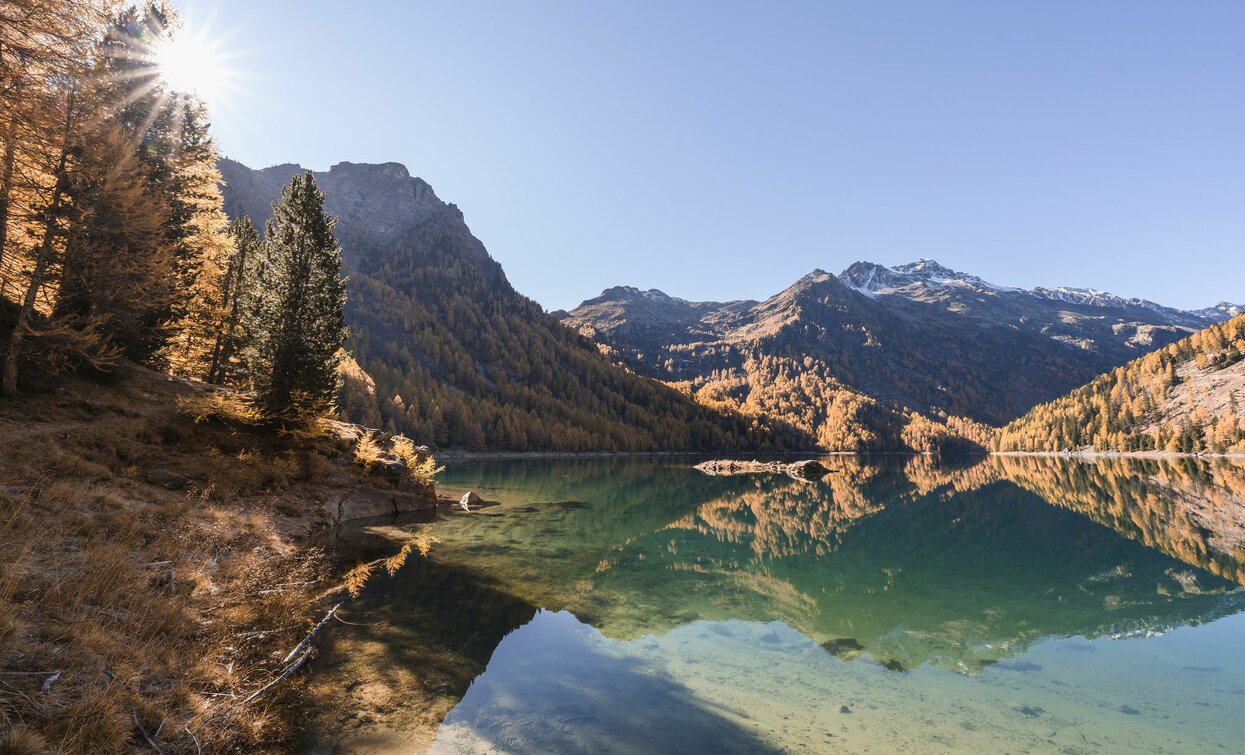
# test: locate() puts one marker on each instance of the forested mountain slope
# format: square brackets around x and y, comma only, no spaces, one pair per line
[853,358]
[1188,397]
[457,356]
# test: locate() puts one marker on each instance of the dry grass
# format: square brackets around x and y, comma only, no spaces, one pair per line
[160,609]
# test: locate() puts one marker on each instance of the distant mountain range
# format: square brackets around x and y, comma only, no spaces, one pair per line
[833,354]
[453,356]
[918,335]
[916,280]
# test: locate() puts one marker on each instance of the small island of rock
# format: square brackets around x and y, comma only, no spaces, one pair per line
[809,469]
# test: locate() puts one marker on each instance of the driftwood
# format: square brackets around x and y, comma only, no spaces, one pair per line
[304,647]
[29,673]
[312,634]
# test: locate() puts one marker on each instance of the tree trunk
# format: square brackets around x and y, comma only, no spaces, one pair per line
[42,262]
[6,188]
[6,171]
[222,351]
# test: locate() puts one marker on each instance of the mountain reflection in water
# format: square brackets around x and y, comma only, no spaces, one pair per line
[895,583]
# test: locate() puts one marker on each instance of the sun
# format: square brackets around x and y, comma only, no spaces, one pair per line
[189,64]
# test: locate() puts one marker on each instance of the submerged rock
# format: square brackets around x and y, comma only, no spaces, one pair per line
[845,646]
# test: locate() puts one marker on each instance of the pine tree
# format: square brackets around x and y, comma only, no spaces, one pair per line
[298,325]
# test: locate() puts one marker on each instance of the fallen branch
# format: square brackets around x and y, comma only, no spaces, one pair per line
[198,749]
[312,634]
[356,623]
[289,671]
[264,632]
[281,588]
[47,683]
[134,715]
[305,647]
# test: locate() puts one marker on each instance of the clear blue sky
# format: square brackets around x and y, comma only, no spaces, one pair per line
[721,150]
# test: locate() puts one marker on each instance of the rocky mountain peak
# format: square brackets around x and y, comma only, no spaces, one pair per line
[1221,311]
[633,294]
[928,268]
[871,279]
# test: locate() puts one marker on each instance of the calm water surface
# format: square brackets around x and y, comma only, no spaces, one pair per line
[999,605]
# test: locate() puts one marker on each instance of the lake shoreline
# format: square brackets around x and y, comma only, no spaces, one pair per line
[457,455]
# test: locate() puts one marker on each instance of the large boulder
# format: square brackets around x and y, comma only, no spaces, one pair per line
[364,501]
[390,468]
[418,500]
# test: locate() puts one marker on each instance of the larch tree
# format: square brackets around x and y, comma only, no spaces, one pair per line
[111,223]
[298,324]
[117,263]
[239,296]
[50,223]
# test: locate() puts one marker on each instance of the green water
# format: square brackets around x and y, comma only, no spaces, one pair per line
[998,605]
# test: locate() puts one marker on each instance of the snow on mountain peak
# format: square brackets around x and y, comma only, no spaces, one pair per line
[872,279]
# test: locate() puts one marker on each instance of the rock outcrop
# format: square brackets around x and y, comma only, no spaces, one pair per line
[808,469]
[380,485]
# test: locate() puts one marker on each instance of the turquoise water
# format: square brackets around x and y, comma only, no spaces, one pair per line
[1000,605]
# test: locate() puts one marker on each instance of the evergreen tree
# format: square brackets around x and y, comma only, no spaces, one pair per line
[298,323]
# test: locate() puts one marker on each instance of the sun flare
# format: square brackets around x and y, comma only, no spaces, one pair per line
[191,65]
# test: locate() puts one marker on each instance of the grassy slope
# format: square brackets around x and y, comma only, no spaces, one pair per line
[171,647]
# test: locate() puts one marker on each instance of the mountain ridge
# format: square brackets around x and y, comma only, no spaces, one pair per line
[456,356]
[918,336]
[871,279]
